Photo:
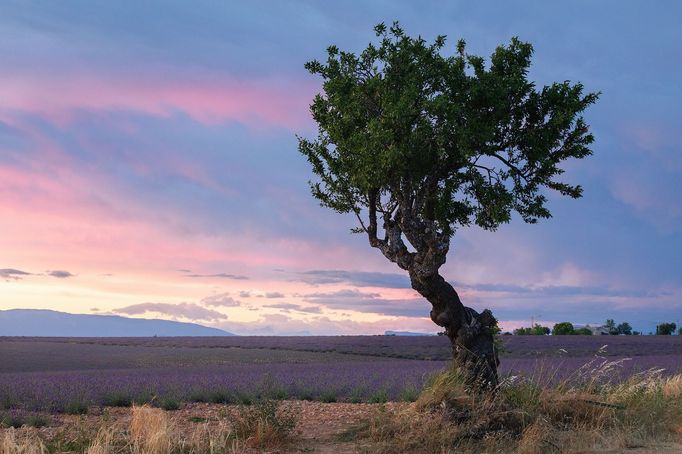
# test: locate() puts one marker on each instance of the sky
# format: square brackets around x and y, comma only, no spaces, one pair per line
[149,167]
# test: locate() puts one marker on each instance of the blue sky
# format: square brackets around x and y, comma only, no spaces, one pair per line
[138,139]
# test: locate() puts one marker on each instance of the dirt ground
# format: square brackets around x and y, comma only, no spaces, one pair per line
[323,428]
[320,427]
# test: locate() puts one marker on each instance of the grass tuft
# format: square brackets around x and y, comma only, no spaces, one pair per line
[76,407]
[379,397]
[10,443]
[169,404]
[328,396]
[12,419]
[117,399]
[37,420]
[588,412]
[149,430]
[263,426]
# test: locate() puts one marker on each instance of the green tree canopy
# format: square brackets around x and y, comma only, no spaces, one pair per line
[563,328]
[624,328]
[665,329]
[448,137]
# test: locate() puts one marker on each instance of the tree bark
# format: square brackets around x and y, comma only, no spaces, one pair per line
[472,335]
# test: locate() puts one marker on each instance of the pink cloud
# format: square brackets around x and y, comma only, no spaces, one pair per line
[258,103]
[57,217]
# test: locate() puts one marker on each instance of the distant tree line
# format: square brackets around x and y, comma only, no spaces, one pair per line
[610,327]
[566,328]
[623,328]
[535,330]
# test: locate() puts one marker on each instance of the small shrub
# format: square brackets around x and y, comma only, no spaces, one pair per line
[12,419]
[357,394]
[117,399]
[76,407]
[169,404]
[263,426]
[271,389]
[197,419]
[244,398]
[328,396]
[355,399]
[409,393]
[379,397]
[221,397]
[305,393]
[37,420]
[143,399]
[199,396]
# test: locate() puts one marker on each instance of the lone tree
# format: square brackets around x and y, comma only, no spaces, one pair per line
[417,143]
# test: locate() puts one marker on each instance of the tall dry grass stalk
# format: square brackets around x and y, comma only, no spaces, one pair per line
[25,445]
[149,431]
[207,439]
[103,442]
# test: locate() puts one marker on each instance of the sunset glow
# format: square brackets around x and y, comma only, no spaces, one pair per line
[148,168]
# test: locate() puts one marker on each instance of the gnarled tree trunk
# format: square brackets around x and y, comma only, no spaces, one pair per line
[472,335]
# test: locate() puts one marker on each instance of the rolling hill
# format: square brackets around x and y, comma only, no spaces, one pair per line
[41,322]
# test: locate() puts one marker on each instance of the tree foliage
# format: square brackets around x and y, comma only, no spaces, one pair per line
[620,329]
[535,330]
[432,139]
[665,329]
[584,331]
[563,328]
[624,329]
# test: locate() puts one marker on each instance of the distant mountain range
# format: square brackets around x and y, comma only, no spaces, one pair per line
[40,322]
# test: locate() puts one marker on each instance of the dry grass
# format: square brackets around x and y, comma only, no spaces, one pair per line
[149,431]
[103,443]
[586,413]
[10,444]
[259,428]
[263,426]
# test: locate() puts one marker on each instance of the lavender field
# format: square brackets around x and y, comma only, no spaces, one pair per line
[68,374]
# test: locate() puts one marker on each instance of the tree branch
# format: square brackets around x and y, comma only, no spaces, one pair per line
[511,166]
[372,229]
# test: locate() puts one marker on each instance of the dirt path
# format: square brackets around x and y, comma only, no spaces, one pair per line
[327,428]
